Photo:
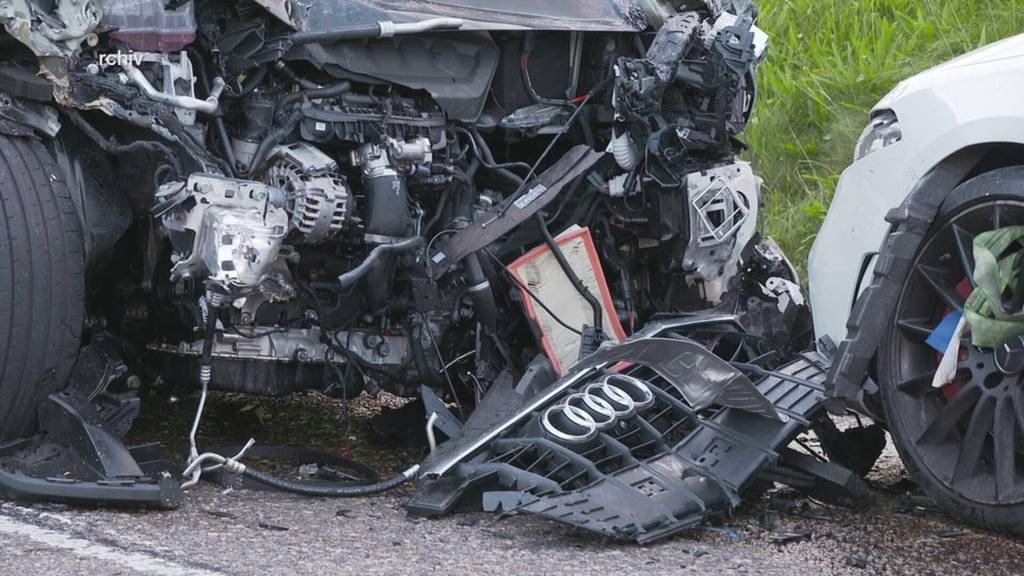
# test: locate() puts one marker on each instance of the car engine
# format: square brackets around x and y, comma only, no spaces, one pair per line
[280,198]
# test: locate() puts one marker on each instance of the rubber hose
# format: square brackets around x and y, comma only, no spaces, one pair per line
[330,490]
[313,93]
[272,139]
[439,211]
[329,36]
[571,274]
[486,157]
[284,69]
[251,83]
[480,293]
[387,214]
[222,131]
[349,279]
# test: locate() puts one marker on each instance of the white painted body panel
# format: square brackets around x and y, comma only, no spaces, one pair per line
[974,99]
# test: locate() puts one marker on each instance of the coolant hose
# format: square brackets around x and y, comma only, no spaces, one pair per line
[273,138]
[349,279]
[290,122]
[330,490]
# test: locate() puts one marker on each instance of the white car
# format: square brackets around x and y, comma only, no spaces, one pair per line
[941,160]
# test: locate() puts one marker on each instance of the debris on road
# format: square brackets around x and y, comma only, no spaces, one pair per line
[626,444]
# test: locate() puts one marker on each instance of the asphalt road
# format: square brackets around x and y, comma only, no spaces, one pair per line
[245,532]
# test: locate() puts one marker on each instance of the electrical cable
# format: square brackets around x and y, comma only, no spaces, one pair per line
[210,461]
[440,358]
[483,152]
[556,251]
[529,292]
[529,41]
[332,490]
[533,170]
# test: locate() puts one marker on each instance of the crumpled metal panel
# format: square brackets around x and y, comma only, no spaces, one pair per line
[57,33]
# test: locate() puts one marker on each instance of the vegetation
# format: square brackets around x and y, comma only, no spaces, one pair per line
[829,61]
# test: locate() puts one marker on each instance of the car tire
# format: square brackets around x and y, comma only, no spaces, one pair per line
[42,282]
[955,457]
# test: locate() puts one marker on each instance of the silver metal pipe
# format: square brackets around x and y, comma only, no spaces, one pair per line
[382,29]
[389,29]
[208,106]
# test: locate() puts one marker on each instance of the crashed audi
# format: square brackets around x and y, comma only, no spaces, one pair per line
[465,202]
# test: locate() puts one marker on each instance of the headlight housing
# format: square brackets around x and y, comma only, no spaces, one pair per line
[883,130]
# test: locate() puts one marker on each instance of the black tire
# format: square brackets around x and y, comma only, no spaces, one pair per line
[42,282]
[947,437]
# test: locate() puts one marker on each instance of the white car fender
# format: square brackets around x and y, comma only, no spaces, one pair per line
[972,100]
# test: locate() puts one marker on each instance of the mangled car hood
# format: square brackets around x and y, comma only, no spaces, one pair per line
[579,15]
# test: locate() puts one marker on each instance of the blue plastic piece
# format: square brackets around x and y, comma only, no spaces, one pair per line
[943,333]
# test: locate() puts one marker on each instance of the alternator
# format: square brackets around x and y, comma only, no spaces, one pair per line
[317,197]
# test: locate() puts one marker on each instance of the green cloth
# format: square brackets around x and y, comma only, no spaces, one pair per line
[991,324]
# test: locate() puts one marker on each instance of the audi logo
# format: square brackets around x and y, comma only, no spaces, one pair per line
[582,415]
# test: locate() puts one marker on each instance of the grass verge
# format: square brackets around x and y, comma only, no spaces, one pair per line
[829,61]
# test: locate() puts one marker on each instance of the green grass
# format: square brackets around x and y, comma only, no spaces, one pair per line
[829,61]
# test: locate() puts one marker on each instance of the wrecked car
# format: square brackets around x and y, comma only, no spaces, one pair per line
[457,201]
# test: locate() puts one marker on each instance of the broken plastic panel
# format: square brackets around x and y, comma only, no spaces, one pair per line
[625,451]
[80,457]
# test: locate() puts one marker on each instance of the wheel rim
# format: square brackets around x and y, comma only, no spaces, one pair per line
[966,433]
